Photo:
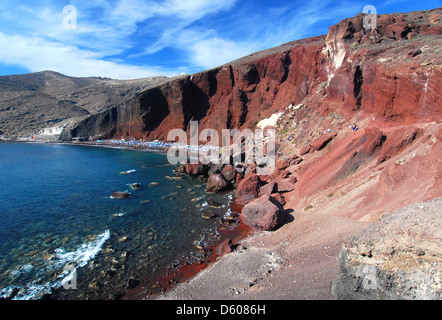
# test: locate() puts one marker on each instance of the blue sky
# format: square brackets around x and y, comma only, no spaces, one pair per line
[124,39]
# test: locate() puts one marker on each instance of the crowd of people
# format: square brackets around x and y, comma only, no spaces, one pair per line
[160,145]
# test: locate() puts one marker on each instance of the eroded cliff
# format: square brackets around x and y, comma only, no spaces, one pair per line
[390,74]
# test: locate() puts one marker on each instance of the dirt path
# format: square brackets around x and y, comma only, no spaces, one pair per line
[298,261]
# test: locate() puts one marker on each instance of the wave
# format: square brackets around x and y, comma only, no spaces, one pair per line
[66,263]
[83,254]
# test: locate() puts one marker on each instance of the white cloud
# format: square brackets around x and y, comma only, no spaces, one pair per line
[207,50]
[37,54]
[194,9]
[203,34]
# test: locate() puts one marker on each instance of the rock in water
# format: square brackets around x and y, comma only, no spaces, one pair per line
[217,182]
[135,186]
[120,195]
[264,213]
[212,203]
[208,214]
[196,169]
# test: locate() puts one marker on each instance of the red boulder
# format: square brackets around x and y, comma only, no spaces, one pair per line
[265,213]
[216,182]
[249,185]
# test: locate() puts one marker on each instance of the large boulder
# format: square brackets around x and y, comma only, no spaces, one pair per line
[196,169]
[285,185]
[249,185]
[243,200]
[217,182]
[268,189]
[181,169]
[304,150]
[264,213]
[229,173]
[323,141]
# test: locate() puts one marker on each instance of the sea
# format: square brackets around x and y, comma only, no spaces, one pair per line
[63,235]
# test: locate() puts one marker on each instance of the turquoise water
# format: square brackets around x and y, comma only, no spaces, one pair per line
[56,211]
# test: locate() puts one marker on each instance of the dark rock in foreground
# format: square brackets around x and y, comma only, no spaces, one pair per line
[397,258]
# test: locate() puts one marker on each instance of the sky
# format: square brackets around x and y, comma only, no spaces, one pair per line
[126,39]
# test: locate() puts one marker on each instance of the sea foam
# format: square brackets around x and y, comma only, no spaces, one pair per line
[75,259]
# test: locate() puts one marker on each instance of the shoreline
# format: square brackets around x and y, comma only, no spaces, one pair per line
[154,288]
[184,273]
[258,253]
[180,273]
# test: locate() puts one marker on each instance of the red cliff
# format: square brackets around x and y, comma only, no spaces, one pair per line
[386,81]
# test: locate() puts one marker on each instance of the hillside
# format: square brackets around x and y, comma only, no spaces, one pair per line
[346,72]
[337,182]
[35,101]
[385,81]
[334,181]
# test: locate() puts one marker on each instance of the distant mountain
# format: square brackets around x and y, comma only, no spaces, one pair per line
[35,101]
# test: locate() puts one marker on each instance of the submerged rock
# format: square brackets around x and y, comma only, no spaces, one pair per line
[120,195]
[212,203]
[208,214]
[135,186]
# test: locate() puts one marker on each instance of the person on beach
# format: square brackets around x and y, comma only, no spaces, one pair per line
[354,128]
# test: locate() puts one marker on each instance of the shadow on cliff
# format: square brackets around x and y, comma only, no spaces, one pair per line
[155,109]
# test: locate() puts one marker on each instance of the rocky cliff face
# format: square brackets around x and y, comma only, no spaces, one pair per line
[46,102]
[390,74]
[398,257]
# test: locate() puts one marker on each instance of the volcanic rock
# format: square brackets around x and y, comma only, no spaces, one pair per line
[217,182]
[322,142]
[397,141]
[304,150]
[208,214]
[120,195]
[229,173]
[265,213]
[213,203]
[285,185]
[396,258]
[224,248]
[196,169]
[244,199]
[268,189]
[249,185]
[135,186]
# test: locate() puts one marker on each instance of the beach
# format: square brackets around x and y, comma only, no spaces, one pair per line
[296,262]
